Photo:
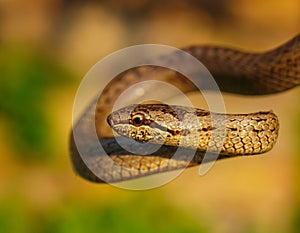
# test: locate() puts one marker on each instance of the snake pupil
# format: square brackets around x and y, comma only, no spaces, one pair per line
[137,120]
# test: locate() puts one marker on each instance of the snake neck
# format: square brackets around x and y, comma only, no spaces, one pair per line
[252,73]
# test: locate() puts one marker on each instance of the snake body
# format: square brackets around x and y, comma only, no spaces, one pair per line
[234,71]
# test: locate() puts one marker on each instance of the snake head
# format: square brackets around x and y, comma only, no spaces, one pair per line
[155,123]
[147,122]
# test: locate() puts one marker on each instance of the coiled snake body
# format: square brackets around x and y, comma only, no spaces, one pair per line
[234,71]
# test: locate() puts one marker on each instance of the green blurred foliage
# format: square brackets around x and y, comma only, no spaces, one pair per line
[147,214]
[26,75]
[14,216]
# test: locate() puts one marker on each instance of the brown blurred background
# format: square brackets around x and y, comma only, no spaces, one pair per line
[46,47]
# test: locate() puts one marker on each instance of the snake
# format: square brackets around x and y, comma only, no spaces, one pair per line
[235,71]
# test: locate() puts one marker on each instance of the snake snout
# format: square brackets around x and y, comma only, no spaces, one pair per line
[115,119]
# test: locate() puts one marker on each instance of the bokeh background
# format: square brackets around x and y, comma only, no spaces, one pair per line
[46,48]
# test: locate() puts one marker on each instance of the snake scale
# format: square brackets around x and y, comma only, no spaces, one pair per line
[235,71]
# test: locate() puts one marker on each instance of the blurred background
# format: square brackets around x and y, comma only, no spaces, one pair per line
[46,48]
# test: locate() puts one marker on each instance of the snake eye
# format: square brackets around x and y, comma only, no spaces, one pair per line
[137,120]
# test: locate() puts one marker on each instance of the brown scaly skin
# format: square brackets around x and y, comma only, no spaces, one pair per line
[234,71]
